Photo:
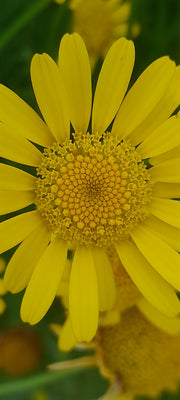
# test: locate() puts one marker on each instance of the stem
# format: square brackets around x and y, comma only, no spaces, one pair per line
[21,21]
[35,381]
[73,364]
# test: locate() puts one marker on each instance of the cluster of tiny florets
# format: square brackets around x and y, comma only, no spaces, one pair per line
[92,190]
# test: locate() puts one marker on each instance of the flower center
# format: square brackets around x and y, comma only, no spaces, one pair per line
[92,190]
[93,20]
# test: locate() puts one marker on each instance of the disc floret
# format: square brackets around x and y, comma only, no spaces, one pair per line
[92,190]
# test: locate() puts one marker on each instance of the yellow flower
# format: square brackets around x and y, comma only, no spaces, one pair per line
[94,190]
[143,358]
[100,23]
[135,356]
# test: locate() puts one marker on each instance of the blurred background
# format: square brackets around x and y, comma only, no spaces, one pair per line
[27,27]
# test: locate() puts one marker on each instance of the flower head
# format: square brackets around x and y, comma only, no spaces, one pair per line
[135,356]
[95,188]
[144,359]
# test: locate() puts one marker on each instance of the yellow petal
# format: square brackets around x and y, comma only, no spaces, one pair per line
[167,171]
[143,97]
[162,139]
[164,231]
[163,258]
[11,201]
[105,277]
[24,260]
[51,95]
[18,116]
[2,287]
[166,324]
[161,112]
[173,153]
[111,317]
[83,295]
[17,148]
[2,306]
[122,13]
[152,286]
[167,210]
[112,83]
[3,264]
[166,190]
[15,229]
[67,340]
[44,282]
[75,66]
[15,179]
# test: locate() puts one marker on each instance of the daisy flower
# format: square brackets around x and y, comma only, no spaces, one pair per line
[135,356]
[92,189]
[147,360]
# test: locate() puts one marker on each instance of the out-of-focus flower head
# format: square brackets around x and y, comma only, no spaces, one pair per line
[144,359]
[135,356]
[20,351]
[100,23]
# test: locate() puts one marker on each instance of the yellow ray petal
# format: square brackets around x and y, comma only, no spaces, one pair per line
[152,286]
[24,260]
[105,277]
[75,66]
[161,112]
[44,282]
[166,190]
[18,116]
[17,148]
[51,95]
[173,153]
[167,171]
[166,324]
[143,97]
[83,295]
[111,317]
[67,340]
[162,139]
[112,83]
[2,306]
[15,179]
[2,287]
[167,210]
[14,200]
[14,230]
[122,13]
[164,231]
[163,258]
[121,30]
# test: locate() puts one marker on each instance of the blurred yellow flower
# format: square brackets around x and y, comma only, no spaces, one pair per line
[144,359]
[135,356]
[94,189]
[100,23]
